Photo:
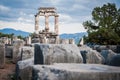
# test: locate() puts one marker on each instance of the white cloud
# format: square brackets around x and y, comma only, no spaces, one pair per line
[64,18]
[24,20]
[79,7]
[18,26]
[63,27]
[4,8]
[71,28]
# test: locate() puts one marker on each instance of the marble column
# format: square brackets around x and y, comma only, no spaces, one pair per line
[56,24]
[36,24]
[47,23]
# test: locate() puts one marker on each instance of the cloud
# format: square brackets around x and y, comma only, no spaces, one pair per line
[4,8]
[65,18]
[79,7]
[18,26]
[71,28]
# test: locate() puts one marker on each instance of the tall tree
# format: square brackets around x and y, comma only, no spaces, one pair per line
[105,25]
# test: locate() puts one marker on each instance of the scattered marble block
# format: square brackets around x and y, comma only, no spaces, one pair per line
[24,69]
[27,52]
[9,51]
[107,54]
[2,55]
[57,53]
[115,60]
[91,56]
[16,50]
[72,71]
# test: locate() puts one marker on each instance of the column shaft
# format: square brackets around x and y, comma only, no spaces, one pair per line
[36,24]
[47,23]
[56,25]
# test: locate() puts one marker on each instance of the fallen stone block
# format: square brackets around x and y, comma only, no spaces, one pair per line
[91,56]
[57,53]
[74,71]
[115,60]
[9,51]
[2,55]
[24,69]
[27,52]
[16,50]
[107,54]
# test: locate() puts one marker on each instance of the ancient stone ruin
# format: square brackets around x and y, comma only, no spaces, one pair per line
[45,36]
[47,57]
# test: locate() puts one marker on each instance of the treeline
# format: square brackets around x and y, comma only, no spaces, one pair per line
[10,35]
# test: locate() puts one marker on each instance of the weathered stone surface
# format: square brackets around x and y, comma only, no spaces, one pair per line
[91,56]
[71,41]
[107,54]
[100,47]
[84,48]
[9,51]
[64,41]
[24,69]
[27,52]
[2,55]
[75,72]
[115,60]
[118,49]
[16,50]
[57,53]
[94,57]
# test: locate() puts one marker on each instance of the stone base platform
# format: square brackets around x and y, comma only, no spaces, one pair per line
[73,71]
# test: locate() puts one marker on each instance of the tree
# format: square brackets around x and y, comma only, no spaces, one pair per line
[104,28]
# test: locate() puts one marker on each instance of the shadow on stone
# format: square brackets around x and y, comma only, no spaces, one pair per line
[115,61]
[38,58]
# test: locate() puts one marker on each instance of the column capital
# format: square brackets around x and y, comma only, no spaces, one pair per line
[56,15]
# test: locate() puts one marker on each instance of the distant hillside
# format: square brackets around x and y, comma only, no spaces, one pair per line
[76,36]
[16,32]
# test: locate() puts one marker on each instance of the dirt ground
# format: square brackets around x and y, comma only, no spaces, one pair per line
[8,72]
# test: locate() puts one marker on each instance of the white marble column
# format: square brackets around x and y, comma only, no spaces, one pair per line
[47,23]
[56,24]
[36,24]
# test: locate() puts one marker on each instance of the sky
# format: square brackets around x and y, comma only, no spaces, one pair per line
[19,14]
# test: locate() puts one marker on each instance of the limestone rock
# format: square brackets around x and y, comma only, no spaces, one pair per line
[94,57]
[2,55]
[64,41]
[91,56]
[74,71]
[115,61]
[26,52]
[9,51]
[107,54]
[24,69]
[16,49]
[57,53]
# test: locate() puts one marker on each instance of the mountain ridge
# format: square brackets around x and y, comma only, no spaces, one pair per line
[76,36]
